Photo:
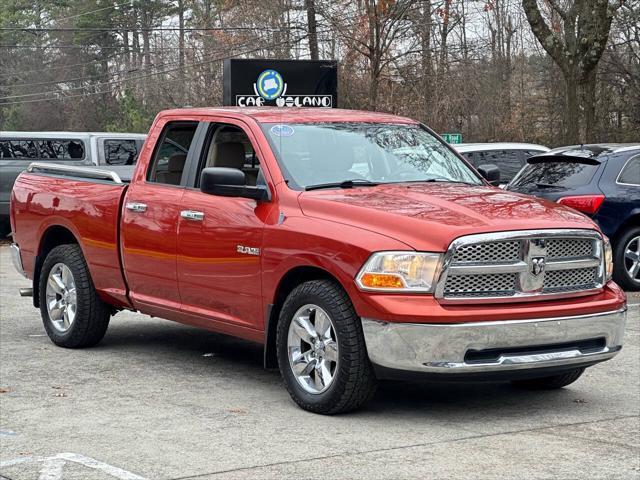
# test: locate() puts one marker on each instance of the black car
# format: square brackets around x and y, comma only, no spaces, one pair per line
[602,181]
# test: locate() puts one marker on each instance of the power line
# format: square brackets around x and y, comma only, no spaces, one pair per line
[110,90]
[108,7]
[150,29]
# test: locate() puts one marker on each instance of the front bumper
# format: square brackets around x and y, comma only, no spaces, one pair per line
[494,347]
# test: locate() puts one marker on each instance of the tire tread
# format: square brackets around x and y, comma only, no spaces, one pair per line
[93,315]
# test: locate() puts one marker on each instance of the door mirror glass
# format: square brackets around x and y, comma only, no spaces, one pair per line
[491,173]
[230,182]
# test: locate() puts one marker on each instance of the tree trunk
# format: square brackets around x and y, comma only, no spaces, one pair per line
[425,66]
[312,29]
[588,97]
[182,93]
[572,111]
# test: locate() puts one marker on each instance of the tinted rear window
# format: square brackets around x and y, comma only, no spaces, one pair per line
[558,173]
[58,149]
[18,149]
[121,151]
[61,149]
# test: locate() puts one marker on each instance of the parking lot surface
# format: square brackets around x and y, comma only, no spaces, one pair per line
[158,400]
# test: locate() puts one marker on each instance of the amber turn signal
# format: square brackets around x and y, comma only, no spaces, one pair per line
[381,280]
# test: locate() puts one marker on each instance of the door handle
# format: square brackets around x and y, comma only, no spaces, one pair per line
[136,207]
[192,215]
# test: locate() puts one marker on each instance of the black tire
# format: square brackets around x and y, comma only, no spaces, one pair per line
[549,383]
[92,314]
[354,382]
[620,273]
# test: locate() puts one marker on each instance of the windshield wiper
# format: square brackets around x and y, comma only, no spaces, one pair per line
[546,185]
[356,182]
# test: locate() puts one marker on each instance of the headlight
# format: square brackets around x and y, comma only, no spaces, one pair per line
[608,259]
[400,272]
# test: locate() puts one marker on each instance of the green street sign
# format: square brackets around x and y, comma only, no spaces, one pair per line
[452,137]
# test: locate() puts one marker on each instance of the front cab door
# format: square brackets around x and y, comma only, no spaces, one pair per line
[220,238]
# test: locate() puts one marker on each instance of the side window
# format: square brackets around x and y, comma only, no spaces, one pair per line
[630,174]
[229,146]
[18,149]
[507,161]
[61,149]
[170,156]
[120,151]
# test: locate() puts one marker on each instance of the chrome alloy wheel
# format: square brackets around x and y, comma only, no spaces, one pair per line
[313,349]
[62,303]
[632,258]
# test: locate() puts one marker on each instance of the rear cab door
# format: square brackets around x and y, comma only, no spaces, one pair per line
[220,238]
[151,213]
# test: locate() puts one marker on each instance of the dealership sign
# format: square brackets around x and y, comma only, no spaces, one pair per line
[281,83]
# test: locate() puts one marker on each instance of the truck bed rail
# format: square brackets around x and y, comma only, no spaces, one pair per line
[72,171]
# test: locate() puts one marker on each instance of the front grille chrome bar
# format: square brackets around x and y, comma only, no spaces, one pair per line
[513,266]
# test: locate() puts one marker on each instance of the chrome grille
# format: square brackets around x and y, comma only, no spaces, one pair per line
[503,284]
[569,247]
[524,265]
[488,252]
[568,280]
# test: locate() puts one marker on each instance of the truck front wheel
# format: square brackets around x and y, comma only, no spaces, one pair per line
[550,383]
[321,350]
[72,313]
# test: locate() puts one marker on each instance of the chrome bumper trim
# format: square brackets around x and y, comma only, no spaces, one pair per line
[441,348]
[16,259]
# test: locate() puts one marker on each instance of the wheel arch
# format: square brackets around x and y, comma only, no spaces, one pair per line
[631,221]
[290,280]
[53,236]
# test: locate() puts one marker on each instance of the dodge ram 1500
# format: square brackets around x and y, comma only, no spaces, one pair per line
[355,246]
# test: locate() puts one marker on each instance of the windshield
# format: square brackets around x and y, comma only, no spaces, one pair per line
[332,153]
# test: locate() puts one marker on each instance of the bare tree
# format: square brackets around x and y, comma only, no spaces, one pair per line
[576,45]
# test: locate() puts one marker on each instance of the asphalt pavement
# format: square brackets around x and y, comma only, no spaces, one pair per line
[158,400]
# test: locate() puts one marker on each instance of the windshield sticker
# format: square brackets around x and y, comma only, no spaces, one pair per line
[282,130]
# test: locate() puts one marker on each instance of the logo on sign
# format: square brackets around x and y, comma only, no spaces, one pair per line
[270,85]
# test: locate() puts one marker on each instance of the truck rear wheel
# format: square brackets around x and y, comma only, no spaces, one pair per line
[550,383]
[321,350]
[72,313]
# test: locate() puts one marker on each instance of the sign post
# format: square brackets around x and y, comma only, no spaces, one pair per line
[453,138]
[281,83]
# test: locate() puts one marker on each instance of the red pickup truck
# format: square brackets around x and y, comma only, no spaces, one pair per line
[355,246]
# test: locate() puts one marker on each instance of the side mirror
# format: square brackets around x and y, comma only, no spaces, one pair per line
[491,173]
[230,182]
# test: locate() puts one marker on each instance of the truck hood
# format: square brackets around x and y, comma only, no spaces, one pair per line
[428,216]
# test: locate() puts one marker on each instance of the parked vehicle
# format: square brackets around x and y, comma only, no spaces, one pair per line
[509,157]
[601,181]
[263,230]
[18,149]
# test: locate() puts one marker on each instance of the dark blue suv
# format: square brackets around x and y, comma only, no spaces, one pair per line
[602,181]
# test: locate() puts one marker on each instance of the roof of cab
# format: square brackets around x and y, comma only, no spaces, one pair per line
[294,115]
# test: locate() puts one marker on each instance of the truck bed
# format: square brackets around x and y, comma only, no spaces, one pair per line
[85,200]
